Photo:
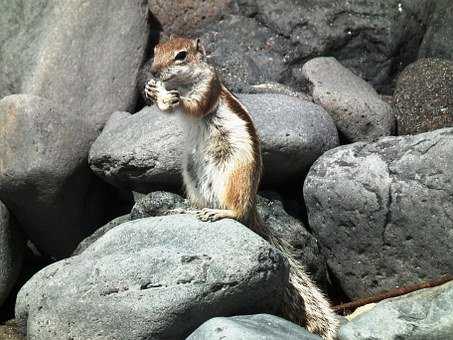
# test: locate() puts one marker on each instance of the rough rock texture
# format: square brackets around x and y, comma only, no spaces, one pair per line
[424,96]
[251,327]
[44,177]
[153,278]
[11,253]
[378,209]
[142,152]
[157,203]
[358,111]
[245,52]
[425,314]
[99,232]
[375,39]
[185,16]
[306,249]
[83,55]
[438,39]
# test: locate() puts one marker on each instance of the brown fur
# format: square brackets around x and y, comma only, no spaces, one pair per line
[303,301]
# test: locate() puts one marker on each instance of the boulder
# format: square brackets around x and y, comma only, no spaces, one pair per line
[424,314]
[424,96]
[245,52]
[153,278]
[358,111]
[378,209]
[272,40]
[438,39]
[251,327]
[82,55]
[142,152]
[183,17]
[44,177]
[11,253]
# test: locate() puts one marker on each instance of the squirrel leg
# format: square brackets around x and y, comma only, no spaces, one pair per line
[212,215]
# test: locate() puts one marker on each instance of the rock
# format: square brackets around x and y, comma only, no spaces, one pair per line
[11,253]
[82,55]
[278,88]
[424,96]
[306,249]
[183,17]
[424,314]
[157,203]
[245,52]
[438,39]
[44,177]
[142,152]
[100,232]
[251,327]
[358,111]
[375,39]
[163,275]
[378,209]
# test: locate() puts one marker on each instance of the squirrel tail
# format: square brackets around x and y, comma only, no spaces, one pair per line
[304,303]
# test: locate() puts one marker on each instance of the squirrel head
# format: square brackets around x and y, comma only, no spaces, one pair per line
[177,59]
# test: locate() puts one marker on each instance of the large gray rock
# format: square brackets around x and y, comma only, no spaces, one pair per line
[426,315]
[154,278]
[438,39]
[251,327]
[11,253]
[358,111]
[82,55]
[375,39]
[378,209]
[424,96]
[44,177]
[142,152]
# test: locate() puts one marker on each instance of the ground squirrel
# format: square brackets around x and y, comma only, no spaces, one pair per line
[222,162]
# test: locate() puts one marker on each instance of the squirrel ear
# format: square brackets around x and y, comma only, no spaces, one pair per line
[199,47]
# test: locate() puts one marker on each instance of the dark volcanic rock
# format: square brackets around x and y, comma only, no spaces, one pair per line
[382,212]
[142,152]
[245,52]
[425,314]
[375,39]
[184,16]
[11,253]
[82,55]
[251,327]
[44,177]
[358,111]
[154,278]
[424,96]
[438,39]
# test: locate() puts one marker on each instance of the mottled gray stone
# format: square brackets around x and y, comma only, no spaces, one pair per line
[251,327]
[44,177]
[154,278]
[11,253]
[100,232]
[142,152]
[382,212]
[358,111]
[438,39]
[82,55]
[424,96]
[422,315]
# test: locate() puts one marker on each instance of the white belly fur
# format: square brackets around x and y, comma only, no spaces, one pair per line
[205,176]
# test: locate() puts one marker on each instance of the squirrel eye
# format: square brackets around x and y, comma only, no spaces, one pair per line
[181,55]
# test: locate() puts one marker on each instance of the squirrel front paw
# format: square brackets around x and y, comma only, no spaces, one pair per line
[151,90]
[168,101]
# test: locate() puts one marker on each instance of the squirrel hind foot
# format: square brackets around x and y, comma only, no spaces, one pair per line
[212,215]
